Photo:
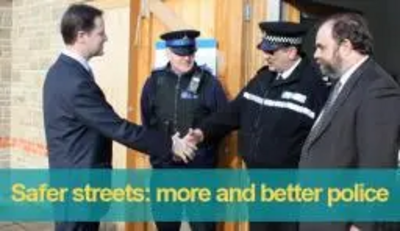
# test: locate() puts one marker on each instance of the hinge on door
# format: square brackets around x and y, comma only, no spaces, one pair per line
[247,12]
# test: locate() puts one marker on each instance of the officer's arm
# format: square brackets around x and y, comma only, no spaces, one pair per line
[220,98]
[93,110]
[223,121]
[321,94]
[146,102]
[215,97]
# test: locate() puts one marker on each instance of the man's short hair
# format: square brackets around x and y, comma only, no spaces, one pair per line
[78,17]
[353,27]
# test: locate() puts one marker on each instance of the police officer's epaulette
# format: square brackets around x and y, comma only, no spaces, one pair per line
[158,70]
[264,68]
[206,69]
[157,74]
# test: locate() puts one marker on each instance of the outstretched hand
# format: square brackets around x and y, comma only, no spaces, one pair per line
[194,136]
[183,148]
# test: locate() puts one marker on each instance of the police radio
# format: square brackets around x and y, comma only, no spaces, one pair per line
[194,83]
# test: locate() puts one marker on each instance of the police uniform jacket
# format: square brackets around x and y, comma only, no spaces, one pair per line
[273,116]
[172,103]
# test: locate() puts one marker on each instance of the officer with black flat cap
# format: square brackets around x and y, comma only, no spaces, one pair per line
[275,111]
[178,97]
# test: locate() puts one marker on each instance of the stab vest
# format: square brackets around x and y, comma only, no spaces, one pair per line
[179,100]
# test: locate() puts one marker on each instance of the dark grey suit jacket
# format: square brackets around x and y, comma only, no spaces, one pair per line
[361,132]
[80,125]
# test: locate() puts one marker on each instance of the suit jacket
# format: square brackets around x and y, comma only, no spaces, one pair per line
[362,131]
[80,125]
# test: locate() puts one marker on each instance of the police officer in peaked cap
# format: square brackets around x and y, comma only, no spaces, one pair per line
[182,42]
[175,98]
[275,111]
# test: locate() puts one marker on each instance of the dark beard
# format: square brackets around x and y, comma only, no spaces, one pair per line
[328,70]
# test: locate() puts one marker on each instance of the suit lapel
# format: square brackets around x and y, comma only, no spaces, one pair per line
[341,98]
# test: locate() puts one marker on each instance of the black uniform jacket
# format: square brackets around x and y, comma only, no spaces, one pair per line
[273,116]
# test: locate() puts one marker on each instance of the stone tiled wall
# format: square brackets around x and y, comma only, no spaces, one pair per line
[36,43]
[5,80]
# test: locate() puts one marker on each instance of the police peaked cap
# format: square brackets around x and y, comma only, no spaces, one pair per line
[279,34]
[181,42]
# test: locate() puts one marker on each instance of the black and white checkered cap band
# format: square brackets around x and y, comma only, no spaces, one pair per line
[282,39]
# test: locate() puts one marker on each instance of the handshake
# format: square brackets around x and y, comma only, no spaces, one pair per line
[184,148]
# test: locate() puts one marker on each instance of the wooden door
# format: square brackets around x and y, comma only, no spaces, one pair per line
[237,34]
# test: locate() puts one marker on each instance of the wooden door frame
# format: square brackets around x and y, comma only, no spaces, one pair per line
[233,45]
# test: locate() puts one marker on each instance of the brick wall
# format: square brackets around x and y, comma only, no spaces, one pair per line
[28,47]
[5,80]
[36,43]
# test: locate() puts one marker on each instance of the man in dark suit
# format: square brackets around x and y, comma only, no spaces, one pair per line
[79,123]
[359,124]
